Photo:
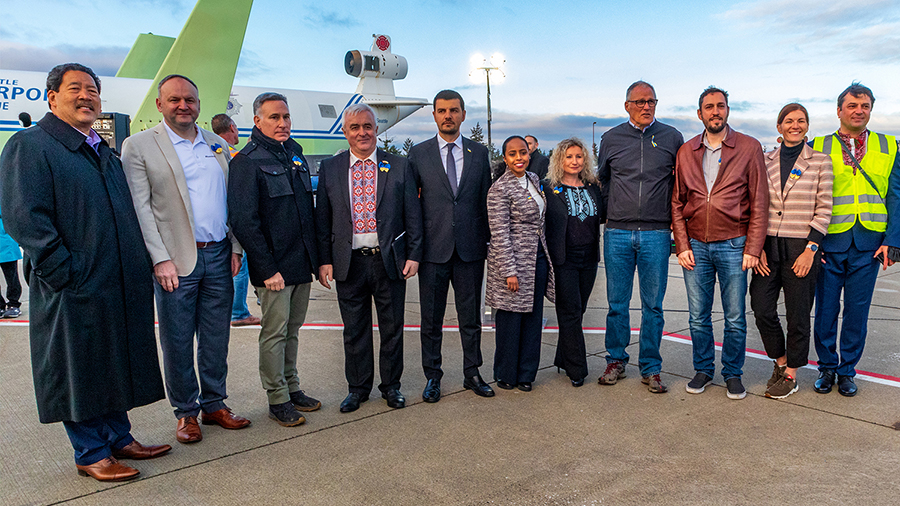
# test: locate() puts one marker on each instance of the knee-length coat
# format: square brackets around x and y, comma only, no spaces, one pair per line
[517,229]
[93,345]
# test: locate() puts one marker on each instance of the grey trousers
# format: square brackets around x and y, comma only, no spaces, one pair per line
[283,313]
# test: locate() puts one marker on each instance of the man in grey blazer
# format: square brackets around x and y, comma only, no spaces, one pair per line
[453,176]
[177,173]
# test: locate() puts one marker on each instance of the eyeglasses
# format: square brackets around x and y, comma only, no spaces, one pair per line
[641,103]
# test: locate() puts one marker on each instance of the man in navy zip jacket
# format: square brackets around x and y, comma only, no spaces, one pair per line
[636,166]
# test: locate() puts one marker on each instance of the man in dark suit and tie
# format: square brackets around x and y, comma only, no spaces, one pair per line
[453,174]
[369,227]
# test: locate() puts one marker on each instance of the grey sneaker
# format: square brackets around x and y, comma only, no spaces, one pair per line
[654,384]
[785,386]
[12,312]
[303,402]
[613,373]
[735,388]
[776,374]
[698,384]
[285,414]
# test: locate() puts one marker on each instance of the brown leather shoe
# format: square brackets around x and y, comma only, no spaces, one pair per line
[137,451]
[225,418]
[188,430]
[250,320]
[108,469]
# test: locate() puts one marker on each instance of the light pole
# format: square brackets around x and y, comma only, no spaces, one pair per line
[487,65]
[593,137]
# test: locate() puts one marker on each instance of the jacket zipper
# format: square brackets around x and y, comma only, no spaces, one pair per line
[641,185]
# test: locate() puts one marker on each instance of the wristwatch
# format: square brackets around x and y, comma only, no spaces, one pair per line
[812,247]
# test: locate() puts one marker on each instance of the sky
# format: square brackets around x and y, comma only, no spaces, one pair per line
[567,64]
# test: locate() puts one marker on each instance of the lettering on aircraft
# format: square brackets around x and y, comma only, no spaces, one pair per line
[11,91]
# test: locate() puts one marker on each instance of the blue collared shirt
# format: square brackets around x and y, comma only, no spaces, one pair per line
[206,186]
[457,155]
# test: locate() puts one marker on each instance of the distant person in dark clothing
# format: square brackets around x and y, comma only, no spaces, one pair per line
[10,254]
[539,164]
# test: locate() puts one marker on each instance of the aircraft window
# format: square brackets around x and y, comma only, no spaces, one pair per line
[327,111]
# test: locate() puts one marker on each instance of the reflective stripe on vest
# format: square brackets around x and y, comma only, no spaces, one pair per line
[853,197]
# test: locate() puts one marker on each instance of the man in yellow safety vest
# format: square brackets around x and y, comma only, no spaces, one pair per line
[865,220]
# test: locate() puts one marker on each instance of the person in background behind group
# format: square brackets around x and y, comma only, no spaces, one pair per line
[178,174]
[574,215]
[636,167]
[93,346]
[537,163]
[369,223]
[865,221]
[270,208]
[720,211]
[453,175]
[799,182]
[519,273]
[10,254]
[224,127]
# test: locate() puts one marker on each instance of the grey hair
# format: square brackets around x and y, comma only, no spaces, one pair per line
[268,96]
[638,84]
[355,109]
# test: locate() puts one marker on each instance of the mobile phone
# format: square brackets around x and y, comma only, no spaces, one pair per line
[880,258]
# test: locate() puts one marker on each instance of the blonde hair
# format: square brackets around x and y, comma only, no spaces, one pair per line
[556,172]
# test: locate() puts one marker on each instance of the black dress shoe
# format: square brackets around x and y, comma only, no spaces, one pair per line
[477,385]
[504,385]
[352,402]
[825,381]
[578,383]
[846,386]
[525,387]
[432,392]
[394,399]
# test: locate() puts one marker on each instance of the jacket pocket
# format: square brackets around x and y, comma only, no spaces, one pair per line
[277,182]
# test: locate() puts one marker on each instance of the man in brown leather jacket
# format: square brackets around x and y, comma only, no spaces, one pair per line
[719,218]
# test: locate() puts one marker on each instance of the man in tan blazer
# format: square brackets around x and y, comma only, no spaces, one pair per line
[177,173]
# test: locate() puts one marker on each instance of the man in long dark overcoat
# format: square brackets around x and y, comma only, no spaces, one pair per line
[93,349]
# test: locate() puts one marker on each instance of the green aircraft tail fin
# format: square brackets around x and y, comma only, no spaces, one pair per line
[146,56]
[207,51]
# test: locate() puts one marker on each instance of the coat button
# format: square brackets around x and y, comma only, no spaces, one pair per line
[38,272]
[778,213]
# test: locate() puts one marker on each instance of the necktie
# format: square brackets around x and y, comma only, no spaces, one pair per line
[451,167]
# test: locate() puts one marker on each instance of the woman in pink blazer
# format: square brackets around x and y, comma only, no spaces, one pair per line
[800,182]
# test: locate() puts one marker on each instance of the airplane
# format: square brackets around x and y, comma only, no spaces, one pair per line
[217,27]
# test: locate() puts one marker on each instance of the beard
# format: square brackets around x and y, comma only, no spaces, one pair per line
[715,129]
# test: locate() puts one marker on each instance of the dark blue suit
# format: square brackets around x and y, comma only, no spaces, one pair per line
[455,239]
[851,268]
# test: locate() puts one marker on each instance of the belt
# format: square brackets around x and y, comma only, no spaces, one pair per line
[367,252]
[203,245]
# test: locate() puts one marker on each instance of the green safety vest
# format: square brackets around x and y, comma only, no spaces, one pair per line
[853,196]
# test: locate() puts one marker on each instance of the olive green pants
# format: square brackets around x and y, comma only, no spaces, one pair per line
[283,313]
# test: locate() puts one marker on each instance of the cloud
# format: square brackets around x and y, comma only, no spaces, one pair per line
[251,65]
[104,60]
[329,19]
[864,30]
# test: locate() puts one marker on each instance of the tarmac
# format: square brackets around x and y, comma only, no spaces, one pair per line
[556,445]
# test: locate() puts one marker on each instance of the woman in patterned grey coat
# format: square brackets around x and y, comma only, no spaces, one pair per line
[519,273]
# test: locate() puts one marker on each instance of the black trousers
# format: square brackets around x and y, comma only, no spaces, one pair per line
[367,281]
[574,283]
[799,293]
[13,286]
[518,351]
[434,281]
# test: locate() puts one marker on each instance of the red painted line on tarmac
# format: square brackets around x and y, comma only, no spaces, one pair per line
[874,377]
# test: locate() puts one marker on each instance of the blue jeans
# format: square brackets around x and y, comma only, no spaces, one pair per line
[198,307]
[722,259]
[648,251]
[239,309]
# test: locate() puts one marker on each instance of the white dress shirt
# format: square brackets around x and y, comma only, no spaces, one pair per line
[369,240]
